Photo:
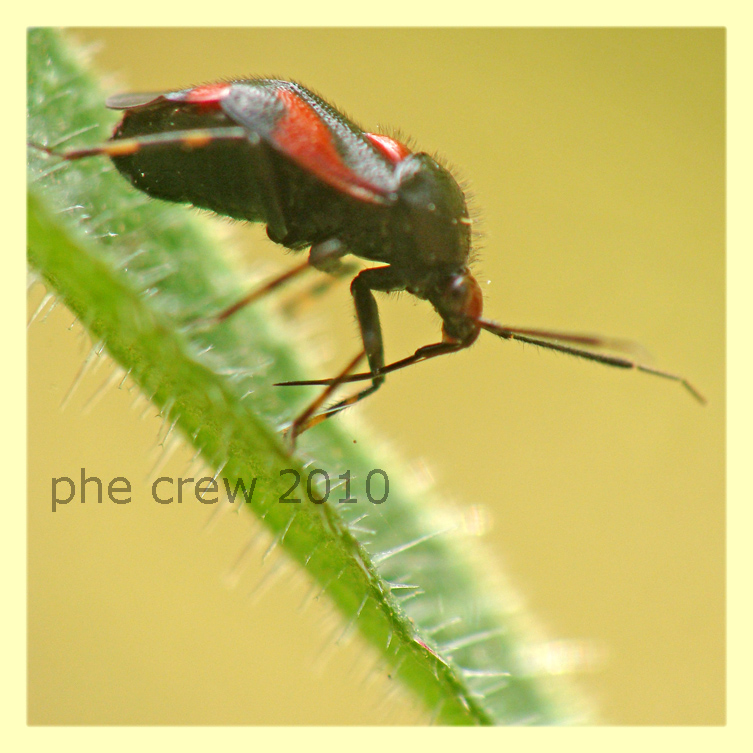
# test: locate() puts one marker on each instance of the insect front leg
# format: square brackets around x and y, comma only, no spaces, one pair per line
[362,288]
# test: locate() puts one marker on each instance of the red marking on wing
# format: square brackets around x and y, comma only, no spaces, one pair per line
[207,94]
[303,135]
[393,150]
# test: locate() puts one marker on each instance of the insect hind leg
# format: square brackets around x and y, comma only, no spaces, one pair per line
[189,139]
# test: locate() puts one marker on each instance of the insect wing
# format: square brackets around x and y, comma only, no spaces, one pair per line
[315,136]
[207,94]
[132,100]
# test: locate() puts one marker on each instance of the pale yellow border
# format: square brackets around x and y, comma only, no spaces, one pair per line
[740,42]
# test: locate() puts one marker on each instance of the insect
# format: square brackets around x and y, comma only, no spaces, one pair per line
[271,151]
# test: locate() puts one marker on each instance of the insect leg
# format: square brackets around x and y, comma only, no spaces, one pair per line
[297,303]
[192,139]
[323,256]
[310,417]
[260,292]
[362,289]
[196,138]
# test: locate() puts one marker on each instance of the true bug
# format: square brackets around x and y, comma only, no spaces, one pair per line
[271,151]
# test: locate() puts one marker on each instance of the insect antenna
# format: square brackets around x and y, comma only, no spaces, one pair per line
[548,340]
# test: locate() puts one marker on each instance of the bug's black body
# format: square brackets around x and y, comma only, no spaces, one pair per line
[415,219]
[270,151]
[216,177]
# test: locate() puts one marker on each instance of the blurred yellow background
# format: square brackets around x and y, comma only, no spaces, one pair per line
[596,158]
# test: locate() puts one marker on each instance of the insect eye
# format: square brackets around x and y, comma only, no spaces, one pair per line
[458,288]
[463,295]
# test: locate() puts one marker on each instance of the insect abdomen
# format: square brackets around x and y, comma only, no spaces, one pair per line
[219,176]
